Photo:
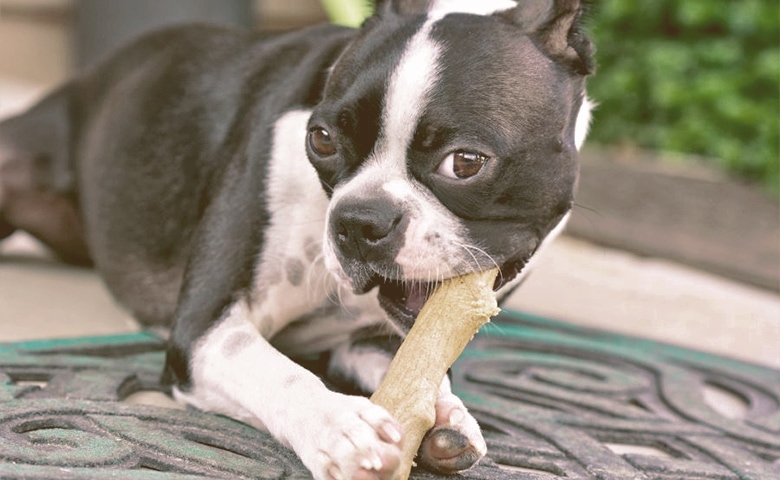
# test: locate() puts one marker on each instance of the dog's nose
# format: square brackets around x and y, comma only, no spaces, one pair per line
[367,228]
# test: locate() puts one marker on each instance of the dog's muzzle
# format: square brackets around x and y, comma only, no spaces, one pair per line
[368,234]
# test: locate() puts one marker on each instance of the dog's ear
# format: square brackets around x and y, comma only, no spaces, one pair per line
[556,27]
[402,6]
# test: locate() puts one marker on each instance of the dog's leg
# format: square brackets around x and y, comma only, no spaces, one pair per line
[362,361]
[219,354]
[235,371]
[455,443]
[6,227]
[37,180]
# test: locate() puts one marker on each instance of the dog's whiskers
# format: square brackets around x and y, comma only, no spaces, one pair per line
[473,248]
[318,276]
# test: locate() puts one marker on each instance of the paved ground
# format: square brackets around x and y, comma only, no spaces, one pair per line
[681,210]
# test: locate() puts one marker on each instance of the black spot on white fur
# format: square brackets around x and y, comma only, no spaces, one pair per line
[295,270]
[235,343]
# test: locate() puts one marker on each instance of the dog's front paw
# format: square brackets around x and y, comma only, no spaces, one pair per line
[357,440]
[455,442]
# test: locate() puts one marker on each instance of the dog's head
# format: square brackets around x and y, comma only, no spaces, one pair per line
[447,141]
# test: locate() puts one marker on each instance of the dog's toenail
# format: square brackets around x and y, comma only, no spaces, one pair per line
[446,443]
[335,473]
[391,432]
[456,416]
[376,462]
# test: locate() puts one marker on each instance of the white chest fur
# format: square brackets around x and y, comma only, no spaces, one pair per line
[291,280]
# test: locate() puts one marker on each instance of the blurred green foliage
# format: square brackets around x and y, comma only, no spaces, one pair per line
[692,76]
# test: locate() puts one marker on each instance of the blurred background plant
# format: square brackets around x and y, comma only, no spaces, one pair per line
[697,76]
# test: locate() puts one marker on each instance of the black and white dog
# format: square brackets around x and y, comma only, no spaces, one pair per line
[294,196]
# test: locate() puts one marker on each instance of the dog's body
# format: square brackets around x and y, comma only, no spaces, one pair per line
[442,136]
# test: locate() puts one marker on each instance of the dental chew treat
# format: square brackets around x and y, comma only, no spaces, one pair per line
[447,322]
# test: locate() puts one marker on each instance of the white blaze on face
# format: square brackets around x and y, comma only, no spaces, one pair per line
[417,73]
[415,76]
[406,97]
[434,246]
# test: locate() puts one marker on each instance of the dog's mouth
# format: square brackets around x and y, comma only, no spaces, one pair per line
[403,300]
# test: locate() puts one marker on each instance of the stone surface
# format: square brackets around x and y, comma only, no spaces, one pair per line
[553,399]
[637,203]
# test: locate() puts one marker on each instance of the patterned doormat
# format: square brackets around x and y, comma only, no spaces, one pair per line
[555,401]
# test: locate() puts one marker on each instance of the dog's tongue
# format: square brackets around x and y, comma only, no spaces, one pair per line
[416,295]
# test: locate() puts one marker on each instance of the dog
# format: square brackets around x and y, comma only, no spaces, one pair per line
[278,198]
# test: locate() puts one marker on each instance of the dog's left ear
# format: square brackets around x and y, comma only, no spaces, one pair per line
[402,6]
[555,25]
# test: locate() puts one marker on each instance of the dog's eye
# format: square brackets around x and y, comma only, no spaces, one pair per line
[321,142]
[462,164]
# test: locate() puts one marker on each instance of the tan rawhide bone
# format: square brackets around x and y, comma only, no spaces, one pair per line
[447,322]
